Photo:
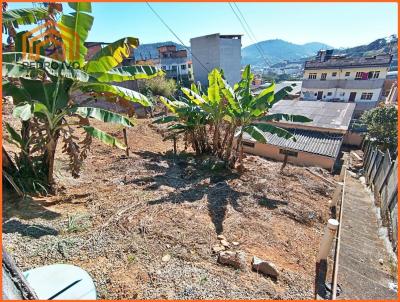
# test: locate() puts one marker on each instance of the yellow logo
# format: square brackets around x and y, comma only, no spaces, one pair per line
[52,39]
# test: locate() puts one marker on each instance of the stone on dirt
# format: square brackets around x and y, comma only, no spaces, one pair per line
[265,267]
[218,248]
[234,259]
[225,243]
[166,258]
[221,237]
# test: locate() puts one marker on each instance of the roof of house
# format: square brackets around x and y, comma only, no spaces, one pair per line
[314,142]
[235,36]
[340,62]
[329,115]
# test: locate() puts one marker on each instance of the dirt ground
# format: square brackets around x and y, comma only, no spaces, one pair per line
[124,214]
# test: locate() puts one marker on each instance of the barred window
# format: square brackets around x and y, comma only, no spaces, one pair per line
[366,96]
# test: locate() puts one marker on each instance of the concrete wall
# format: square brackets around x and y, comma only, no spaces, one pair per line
[353,139]
[302,159]
[343,95]
[216,52]
[230,58]
[206,50]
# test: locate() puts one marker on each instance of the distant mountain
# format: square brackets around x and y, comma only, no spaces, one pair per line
[383,45]
[278,51]
[147,51]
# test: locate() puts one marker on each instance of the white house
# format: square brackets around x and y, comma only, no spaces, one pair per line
[338,78]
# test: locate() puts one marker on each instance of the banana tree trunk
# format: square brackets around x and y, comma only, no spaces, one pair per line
[216,138]
[7,163]
[240,167]
[49,160]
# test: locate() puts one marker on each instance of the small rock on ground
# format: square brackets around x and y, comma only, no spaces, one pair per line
[221,237]
[166,258]
[218,248]
[234,259]
[265,267]
[225,243]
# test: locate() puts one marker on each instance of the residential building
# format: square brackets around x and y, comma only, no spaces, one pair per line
[216,51]
[318,143]
[93,48]
[343,79]
[175,63]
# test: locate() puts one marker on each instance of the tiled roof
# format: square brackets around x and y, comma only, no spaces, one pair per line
[326,144]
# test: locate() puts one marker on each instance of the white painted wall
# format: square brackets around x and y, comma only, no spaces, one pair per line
[341,73]
[341,94]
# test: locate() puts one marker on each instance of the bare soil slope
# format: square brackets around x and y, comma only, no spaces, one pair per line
[123,215]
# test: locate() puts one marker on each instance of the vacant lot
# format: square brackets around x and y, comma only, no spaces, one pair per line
[124,215]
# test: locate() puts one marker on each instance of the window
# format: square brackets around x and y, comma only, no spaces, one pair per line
[334,74]
[329,93]
[376,74]
[248,144]
[359,75]
[323,76]
[312,76]
[164,67]
[366,96]
[347,74]
[173,67]
[183,66]
[189,65]
[288,152]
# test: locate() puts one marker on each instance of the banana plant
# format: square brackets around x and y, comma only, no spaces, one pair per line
[227,113]
[45,92]
[189,120]
[249,113]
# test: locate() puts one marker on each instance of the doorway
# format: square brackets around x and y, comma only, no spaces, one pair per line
[352,97]
[319,95]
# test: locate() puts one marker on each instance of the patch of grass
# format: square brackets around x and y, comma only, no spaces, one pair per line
[203,280]
[78,223]
[131,258]
[392,268]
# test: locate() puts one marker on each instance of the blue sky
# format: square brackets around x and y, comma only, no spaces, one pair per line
[336,24]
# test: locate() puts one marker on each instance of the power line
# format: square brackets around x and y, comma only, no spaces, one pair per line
[249,31]
[176,36]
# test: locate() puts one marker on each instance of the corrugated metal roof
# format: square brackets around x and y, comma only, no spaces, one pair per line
[326,144]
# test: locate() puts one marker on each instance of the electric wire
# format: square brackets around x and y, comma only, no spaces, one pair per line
[175,35]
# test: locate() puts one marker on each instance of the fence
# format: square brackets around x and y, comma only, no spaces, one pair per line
[380,172]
